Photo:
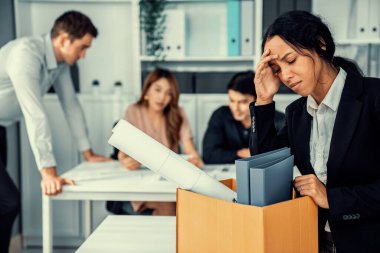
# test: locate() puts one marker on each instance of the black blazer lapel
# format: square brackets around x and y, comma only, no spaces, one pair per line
[347,117]
[301,127]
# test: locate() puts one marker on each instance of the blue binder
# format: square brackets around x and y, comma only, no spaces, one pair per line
[243,171]
[233,27]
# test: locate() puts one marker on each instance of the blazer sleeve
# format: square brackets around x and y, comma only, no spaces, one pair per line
[214,148]
[264,137]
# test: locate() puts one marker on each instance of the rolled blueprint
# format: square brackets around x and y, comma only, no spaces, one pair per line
[165,162]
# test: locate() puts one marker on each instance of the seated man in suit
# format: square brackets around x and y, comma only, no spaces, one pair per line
[227,135]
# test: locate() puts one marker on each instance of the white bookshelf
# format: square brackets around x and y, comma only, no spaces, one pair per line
[358,42]
[206,40]
[145,58]
[201,64]
[347,19]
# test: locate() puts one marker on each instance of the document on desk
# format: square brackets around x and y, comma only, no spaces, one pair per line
[92,171]
[97,171]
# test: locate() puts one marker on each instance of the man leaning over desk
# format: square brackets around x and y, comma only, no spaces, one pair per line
[29,66]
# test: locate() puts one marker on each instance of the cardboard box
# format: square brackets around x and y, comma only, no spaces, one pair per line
[206,224]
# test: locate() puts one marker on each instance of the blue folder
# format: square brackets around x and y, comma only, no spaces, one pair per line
[233,27]
[243,171]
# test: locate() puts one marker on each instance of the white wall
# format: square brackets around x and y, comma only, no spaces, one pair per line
[109,58]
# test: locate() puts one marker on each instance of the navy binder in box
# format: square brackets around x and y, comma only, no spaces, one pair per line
[243,166]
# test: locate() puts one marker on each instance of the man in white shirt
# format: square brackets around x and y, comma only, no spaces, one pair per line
[29,66]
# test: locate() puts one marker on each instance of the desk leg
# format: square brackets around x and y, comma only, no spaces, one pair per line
[87,218]
[47,225]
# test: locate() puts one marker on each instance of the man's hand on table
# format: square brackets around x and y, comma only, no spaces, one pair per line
[51,183]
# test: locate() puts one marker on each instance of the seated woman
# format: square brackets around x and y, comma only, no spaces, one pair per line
[158,114]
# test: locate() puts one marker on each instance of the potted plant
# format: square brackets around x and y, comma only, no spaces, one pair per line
[152,24]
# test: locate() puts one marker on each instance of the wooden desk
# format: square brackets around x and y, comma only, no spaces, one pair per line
[94,182]
[125,233]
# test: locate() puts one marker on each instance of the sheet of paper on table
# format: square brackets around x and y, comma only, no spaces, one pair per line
[90,171]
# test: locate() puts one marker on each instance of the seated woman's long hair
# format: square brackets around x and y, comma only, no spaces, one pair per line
[172,113]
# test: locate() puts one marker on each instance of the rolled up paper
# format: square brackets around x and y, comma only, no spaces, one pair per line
[165,162]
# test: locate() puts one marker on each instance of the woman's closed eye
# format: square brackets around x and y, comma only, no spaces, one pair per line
[291,60]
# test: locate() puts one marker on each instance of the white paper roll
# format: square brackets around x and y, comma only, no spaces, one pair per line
[165,162]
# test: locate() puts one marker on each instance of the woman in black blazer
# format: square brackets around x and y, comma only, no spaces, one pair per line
[333,130]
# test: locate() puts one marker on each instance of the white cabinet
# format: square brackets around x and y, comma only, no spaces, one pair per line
[356,30]
[101,113]
[198,109]
[206,105]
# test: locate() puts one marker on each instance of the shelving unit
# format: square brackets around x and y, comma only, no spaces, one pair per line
[372,41]
[356,35]
[206,39]
[201,64]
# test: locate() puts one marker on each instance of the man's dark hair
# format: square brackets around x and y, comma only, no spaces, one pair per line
[242,82]
[75,24]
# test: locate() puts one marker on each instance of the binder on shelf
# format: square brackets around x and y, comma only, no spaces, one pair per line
[343,26]
[243,171]
[271,182]
[362,19]
[143,49]
[247,23]
[374,19]
[174,36]
[233,27]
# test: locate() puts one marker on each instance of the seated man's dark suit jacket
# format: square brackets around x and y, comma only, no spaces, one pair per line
[224,136]
[353,167]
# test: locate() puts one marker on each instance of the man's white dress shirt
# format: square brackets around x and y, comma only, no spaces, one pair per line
[28,68]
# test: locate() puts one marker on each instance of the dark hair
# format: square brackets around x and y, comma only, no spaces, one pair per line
[243,82]
[173,117]
[303,30]
[75,24]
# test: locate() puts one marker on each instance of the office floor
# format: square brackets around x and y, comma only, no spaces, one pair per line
[16,248]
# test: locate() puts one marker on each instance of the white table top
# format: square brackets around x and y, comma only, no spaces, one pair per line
[112,177]
[125,233]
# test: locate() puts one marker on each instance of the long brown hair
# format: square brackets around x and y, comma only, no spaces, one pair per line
[173,118]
